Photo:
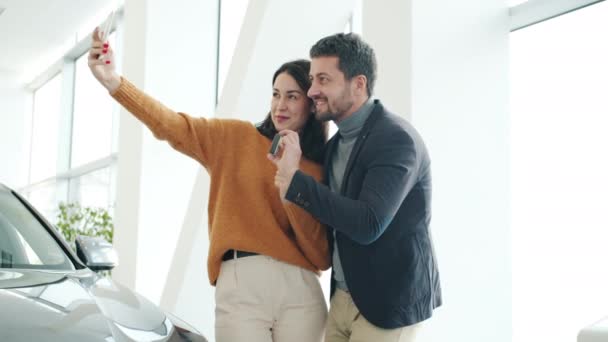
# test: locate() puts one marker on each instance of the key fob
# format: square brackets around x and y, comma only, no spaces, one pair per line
[274,147]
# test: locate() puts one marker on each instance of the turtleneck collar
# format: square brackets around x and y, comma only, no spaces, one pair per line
[350,127]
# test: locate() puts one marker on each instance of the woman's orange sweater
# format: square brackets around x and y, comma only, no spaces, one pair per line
[245,211]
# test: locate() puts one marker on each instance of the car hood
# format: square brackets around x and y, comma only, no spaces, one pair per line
[75,306]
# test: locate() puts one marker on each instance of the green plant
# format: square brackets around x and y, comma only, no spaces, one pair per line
[74,219]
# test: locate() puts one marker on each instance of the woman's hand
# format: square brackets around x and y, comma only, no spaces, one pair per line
[102,64]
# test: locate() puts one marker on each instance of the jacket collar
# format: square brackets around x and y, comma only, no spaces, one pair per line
[377,111]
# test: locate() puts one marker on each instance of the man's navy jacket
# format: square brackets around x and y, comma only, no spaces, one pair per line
[381,219]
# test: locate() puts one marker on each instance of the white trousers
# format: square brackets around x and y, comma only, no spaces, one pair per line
[261,299]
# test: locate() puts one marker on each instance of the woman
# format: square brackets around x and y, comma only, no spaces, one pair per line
[264,254]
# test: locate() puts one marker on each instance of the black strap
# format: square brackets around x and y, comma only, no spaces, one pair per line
[229,255]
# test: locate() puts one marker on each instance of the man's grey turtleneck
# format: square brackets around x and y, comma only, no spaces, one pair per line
[348,130]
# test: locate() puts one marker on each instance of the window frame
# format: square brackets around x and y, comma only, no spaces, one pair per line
[65,173]
[536,11]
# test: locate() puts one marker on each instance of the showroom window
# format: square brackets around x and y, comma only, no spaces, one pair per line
[559,165]
[45,129]
[81,168]
[92,117]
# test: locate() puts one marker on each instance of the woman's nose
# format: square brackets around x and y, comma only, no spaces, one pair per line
[283,102]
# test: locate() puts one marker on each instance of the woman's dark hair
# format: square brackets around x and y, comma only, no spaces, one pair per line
[314,133]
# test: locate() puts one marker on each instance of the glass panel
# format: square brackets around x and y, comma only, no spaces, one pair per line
[45,129]
[232,14]
[24,242]
[513,3]
[559,167]
[93,189]
[93,114]
[45,197]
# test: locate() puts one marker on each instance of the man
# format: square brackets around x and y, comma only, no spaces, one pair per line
[377,205]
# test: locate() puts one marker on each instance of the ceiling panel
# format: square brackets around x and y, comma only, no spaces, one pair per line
[32,29]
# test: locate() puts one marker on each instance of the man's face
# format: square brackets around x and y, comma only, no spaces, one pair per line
[331,92]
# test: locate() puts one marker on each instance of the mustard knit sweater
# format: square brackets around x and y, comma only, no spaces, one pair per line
[245,210]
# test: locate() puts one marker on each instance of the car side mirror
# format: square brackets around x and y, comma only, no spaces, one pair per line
[96,253]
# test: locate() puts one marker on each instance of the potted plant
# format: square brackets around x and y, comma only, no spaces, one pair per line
[74,219]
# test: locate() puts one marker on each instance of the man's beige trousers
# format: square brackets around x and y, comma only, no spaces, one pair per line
[346,324]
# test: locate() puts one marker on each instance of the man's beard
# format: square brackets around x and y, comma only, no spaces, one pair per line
[325,116]
[346,103]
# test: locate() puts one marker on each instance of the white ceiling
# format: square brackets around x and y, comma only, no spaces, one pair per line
[31,30]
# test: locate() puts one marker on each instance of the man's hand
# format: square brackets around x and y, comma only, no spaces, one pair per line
[287,160]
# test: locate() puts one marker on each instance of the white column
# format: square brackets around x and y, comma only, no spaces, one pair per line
[169,52]
[126,218]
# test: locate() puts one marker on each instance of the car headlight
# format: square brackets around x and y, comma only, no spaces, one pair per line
[159,334]
[185,330]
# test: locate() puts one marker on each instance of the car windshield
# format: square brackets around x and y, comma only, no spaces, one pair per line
[24,241]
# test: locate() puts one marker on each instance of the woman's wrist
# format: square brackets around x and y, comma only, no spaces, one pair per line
[112,83]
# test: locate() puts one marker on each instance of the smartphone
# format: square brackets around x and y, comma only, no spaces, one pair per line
[274,147]
[106,26]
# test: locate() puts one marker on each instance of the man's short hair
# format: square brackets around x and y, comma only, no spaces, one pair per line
[355,56]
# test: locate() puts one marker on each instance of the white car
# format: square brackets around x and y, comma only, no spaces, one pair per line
[50,293]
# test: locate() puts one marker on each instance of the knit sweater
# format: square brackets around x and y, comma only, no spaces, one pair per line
[245,210]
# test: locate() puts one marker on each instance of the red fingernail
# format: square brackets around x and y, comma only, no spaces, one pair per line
[107,62]
[104,50]
[106,45]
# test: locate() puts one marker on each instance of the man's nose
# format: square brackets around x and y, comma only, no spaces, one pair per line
[313,91]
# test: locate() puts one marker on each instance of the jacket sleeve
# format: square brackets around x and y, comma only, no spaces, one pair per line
[390,174]
[195,137]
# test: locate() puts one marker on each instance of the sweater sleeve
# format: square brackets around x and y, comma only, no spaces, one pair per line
[195,137]
[311,235]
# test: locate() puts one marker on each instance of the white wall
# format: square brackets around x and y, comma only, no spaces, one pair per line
[393,48]
[460,105]
[15,118]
